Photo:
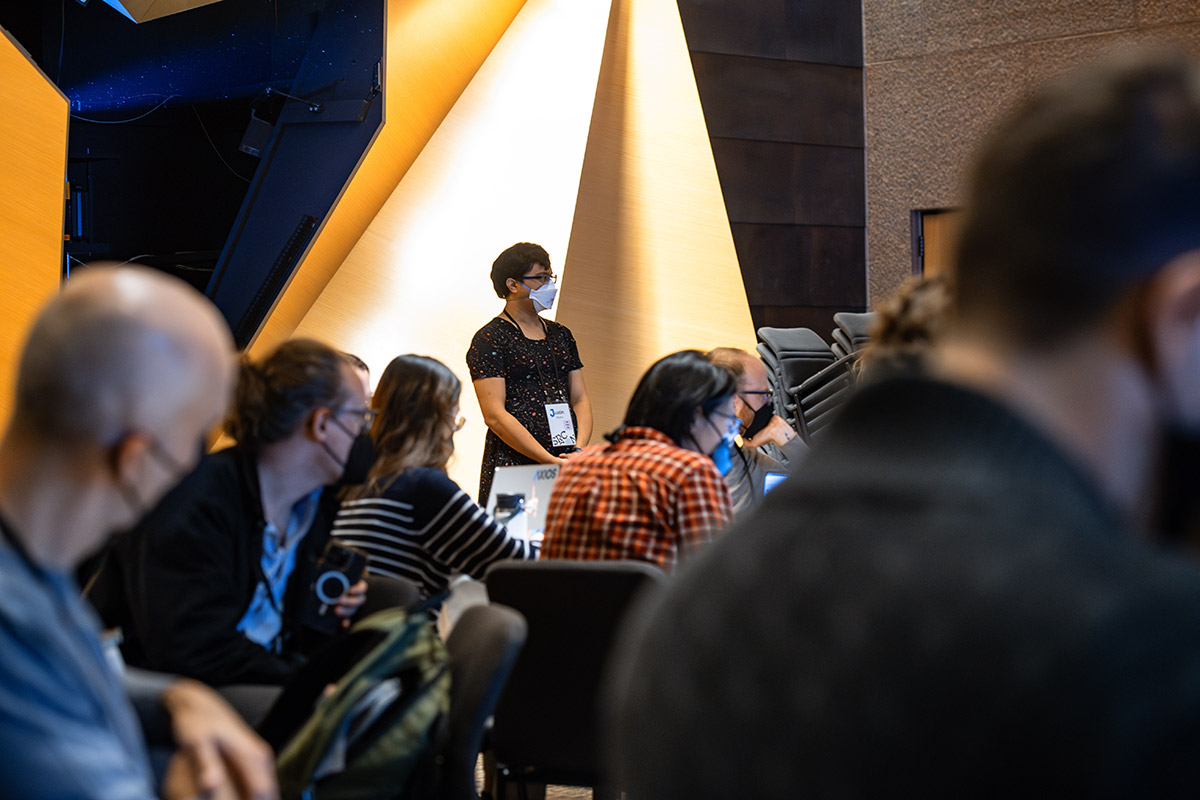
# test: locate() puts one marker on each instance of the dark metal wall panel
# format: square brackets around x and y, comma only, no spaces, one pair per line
[823,267]
[780,101]
[786,184]
[821,31]
[313,152]
[780,82]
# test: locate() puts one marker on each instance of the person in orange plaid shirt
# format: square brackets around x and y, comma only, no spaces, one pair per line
[655,492]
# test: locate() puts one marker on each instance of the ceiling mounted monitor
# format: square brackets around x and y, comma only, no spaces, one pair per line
[143,10]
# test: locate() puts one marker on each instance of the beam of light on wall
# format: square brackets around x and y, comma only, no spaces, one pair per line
[33,167]
[651,266]
[503,167]
[433,51]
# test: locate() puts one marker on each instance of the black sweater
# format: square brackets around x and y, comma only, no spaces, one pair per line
[938,603]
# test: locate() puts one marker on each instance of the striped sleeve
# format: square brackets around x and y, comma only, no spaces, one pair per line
[469,540]
[383,527]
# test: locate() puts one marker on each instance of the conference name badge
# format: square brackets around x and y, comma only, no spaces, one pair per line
[562,428]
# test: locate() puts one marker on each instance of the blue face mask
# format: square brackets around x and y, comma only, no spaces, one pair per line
[722,454]
[721,458]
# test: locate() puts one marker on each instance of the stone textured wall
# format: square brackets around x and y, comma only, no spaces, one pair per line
[938,72]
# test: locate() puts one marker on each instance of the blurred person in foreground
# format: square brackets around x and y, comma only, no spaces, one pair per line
[956,594]
[906,326]
[121,377]
[655,492]
[767,444]
[412,520]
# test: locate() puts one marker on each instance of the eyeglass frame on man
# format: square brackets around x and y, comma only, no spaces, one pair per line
[767,394]
[368,417]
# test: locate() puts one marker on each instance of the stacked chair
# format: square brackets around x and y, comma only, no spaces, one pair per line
[792,356]
[851,331]
[810,379]
[814,402]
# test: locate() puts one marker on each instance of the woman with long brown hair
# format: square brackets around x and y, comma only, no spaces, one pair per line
[413,520]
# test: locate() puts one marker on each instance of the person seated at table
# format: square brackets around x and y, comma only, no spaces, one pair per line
[768,445]
[215,583]
[655,492]
[410,517]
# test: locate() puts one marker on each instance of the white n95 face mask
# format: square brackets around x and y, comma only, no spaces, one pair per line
[543,298]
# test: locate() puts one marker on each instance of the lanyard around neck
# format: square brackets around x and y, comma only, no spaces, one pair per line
[533,356]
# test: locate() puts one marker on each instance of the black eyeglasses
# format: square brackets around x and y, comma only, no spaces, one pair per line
[766,393]
[547,276]
[366,416]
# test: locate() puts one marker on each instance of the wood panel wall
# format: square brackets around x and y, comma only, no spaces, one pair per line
[781,87]
[33,129]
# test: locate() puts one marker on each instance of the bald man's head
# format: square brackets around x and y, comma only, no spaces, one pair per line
[123,349]
[751,376]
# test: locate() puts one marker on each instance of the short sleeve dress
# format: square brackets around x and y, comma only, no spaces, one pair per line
[535,372]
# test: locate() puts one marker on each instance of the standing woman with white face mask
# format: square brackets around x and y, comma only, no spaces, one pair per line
[526,371]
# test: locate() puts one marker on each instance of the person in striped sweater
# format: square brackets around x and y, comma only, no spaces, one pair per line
[410,517]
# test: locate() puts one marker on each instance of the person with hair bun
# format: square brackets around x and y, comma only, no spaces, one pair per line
[655,493]
[215,580]
[413,520]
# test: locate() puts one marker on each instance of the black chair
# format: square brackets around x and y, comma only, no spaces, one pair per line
[855,328]
[815,403]
[545,728]
[798,353]
[387,591]
[483,648]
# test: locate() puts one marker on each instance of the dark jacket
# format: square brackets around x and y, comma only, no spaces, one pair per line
[938,603]
[180,582]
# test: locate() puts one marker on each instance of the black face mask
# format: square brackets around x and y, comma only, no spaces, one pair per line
[1178,510]
[761,418]
[359,461]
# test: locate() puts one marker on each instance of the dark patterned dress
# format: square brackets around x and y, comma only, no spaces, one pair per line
[535,372]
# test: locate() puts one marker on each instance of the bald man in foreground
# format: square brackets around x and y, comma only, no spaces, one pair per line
[121,376]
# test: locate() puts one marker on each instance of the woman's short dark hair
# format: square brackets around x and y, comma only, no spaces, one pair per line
[667,396]
[276,395]
[415,398]
[515,262]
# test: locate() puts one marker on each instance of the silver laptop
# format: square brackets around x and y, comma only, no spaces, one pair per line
[519,499]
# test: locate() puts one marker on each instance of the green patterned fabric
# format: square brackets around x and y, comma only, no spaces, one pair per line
[380,732]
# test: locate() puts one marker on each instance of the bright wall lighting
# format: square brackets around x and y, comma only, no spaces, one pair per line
[652,267]
[33,129]
[503,167]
